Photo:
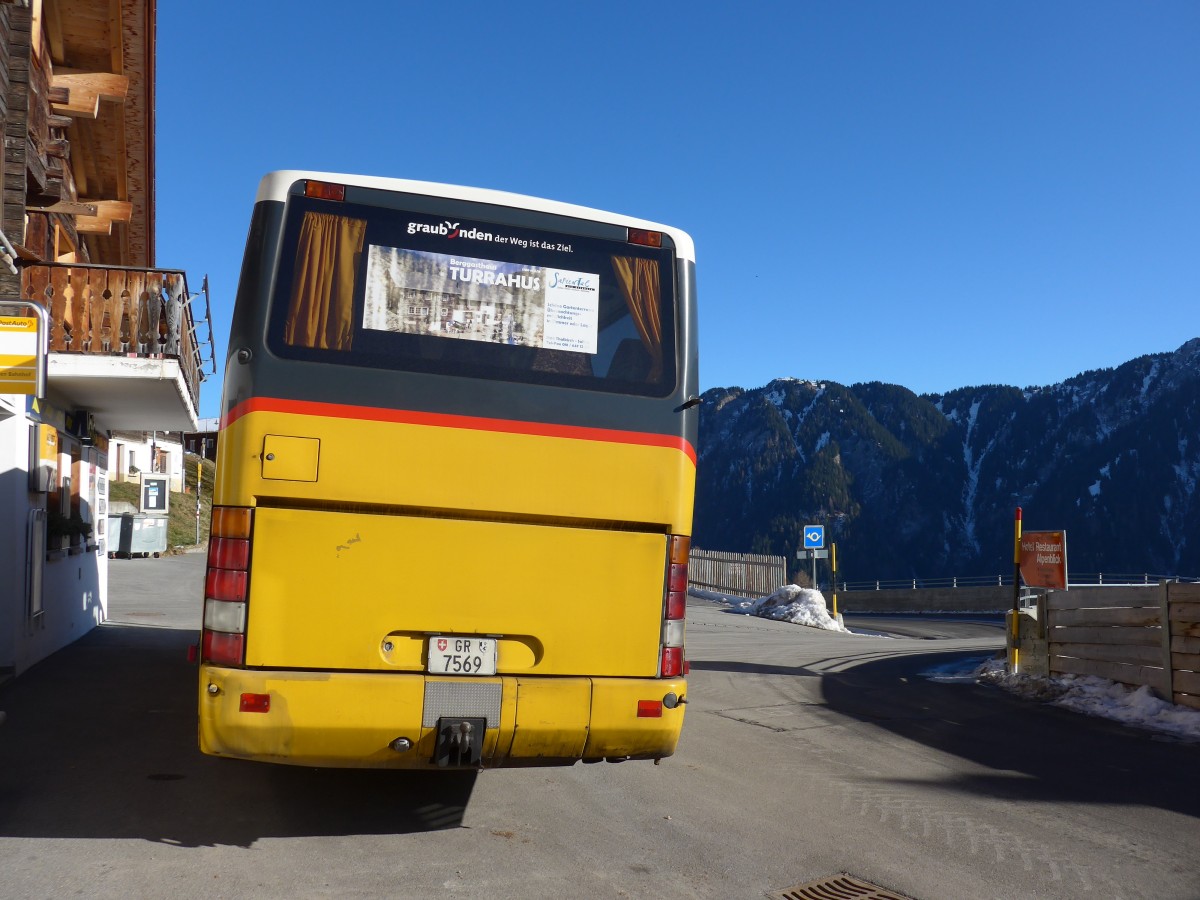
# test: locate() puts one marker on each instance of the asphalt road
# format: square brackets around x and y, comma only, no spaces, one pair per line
[804,754]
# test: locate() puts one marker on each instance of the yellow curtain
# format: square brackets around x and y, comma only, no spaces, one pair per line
[640,284]
[321,313]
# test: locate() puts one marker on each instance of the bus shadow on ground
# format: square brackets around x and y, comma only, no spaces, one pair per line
[100,742]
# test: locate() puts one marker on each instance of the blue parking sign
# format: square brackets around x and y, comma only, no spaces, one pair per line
[814,537]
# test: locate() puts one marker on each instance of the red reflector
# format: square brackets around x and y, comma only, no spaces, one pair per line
[259,703]
[672,662]
[223,649]
[649,709]
[676,605]
[323,190]
[645,238]
[228,553]
[225,584]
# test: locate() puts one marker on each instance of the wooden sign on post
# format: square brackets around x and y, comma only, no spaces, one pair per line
[1044,559]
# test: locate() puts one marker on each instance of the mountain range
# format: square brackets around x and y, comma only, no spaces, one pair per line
[927,485]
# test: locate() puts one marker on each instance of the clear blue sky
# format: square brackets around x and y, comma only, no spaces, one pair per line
[932,194]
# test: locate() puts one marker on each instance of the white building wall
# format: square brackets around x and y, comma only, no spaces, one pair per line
[74,582]
[130,451]
[14,507]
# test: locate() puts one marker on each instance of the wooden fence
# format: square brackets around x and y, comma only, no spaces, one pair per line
[1137,636]
[740,574]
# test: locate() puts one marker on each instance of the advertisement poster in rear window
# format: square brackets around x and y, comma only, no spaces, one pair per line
[452,296]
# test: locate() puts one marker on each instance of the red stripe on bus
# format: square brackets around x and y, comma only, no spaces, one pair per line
[445,420]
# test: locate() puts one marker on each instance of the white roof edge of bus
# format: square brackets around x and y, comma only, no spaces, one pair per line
[275,185]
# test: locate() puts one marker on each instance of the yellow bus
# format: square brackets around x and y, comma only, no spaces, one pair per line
[454,483]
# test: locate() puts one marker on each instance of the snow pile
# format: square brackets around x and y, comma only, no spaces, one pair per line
[800,606]
[1099,697]
[739,603]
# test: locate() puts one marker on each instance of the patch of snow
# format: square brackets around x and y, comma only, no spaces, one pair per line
[1186,471]
[1149,377]
[960,671]
[817,396]
[718,597]
[1094,489]
[798,605]
[1087,694]
[974,465]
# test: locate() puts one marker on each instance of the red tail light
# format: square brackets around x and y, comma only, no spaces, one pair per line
[672,662]
[227,586]
[674,605]
[677,583]
[678,548]
[228,553]
[223,649]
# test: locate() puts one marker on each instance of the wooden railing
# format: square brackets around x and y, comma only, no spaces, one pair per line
[117,311]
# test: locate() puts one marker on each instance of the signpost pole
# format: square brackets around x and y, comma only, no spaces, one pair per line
[833,547]
[1014,657]
[199,484]
[814,543]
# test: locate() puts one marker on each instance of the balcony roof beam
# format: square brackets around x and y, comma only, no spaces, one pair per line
[86,90]
[107,212]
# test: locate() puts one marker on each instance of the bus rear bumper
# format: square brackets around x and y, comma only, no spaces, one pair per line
[391,720]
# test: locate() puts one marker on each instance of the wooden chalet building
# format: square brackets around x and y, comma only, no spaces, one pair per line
[77,215]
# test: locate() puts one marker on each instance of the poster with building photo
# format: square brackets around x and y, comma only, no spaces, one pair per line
[451,296]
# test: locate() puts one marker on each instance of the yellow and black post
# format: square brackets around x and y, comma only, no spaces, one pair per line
[833,550]
[1014,660]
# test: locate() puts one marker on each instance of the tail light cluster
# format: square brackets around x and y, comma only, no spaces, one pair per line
[226,586]
[675,606]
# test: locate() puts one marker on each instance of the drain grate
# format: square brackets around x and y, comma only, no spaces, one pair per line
[837,887]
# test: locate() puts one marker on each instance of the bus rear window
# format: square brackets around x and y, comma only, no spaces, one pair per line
[385,288]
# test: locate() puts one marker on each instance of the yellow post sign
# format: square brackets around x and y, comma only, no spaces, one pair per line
[19,340]
[1044,559]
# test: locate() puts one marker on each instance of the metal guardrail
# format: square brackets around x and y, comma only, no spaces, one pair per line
[1090,579]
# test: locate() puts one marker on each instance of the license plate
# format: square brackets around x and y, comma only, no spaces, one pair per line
[462,656]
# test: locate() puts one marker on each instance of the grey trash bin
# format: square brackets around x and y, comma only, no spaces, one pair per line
[120,534]
[149,535]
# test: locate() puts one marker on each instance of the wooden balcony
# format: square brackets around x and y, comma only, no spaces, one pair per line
[123,344]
